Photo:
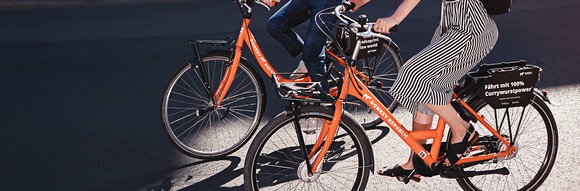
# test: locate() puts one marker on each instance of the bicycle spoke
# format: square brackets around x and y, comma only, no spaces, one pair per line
[181,110]
[272,174]
[191,97]
[237,100]
[277,166]
[233,112]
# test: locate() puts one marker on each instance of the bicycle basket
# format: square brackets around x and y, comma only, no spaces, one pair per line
[371,46]
[508,84]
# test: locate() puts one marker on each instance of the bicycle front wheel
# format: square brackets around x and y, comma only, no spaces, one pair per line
[532,130]
[191,119]
[275,160]
[381,70]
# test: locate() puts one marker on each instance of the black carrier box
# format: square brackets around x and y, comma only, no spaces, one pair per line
[370,46]
[508,84]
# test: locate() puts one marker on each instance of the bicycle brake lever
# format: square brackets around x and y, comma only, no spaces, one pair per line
[260,3]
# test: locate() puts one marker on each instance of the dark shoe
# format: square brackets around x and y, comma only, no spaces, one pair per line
[397,171]
[459,148]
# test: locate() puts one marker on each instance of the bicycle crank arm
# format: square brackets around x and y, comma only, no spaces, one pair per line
[465,174]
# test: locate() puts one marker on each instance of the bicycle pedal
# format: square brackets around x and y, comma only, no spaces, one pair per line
[407,178]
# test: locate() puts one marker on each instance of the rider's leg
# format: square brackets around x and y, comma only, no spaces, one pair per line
[313,50]
[420,122]
[280,25]
[456,123]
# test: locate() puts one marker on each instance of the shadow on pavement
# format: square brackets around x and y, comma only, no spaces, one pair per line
[200,175]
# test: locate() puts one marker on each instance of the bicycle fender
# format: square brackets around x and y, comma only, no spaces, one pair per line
[392,44]
[544,95]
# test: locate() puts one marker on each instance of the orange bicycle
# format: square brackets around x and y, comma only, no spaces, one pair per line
[515,151]
[214,103]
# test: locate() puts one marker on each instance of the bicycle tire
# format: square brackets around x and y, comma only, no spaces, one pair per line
[536,140]
[189,120]
[385,72]
[275,149]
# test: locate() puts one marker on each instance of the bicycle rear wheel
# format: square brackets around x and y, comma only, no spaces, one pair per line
[532,129]
[382,71]
[190,117]
[275,161]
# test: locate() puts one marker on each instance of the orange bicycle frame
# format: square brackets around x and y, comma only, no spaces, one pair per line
[246,36]
[353,86]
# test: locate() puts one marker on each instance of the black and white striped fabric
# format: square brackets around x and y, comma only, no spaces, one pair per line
[466,34]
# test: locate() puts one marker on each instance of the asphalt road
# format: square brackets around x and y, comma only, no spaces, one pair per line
[82,85]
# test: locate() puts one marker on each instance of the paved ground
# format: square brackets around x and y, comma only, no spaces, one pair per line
[227,174]
[82,87]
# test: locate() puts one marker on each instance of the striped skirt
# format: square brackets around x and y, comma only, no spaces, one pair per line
[466,34]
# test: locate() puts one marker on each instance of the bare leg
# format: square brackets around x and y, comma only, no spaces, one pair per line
[420,122]
[456,123]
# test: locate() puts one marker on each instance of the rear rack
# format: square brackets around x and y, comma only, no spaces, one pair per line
[301,91]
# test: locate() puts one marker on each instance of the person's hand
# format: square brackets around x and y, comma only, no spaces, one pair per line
[358,4]
[270,2]
[384,24]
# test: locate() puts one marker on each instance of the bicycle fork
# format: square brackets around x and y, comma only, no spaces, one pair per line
[314,158]
[293,110]
[198,64]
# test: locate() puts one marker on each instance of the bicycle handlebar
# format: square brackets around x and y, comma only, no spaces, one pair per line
[392,29]
[346,6]
[263,4]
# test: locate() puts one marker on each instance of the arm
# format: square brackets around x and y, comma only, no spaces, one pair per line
[270,2]
[358,4]
[384,24]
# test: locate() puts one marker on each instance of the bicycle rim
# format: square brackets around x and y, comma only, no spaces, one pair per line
[536,141]
[277,162]
[195,125]
[383,68]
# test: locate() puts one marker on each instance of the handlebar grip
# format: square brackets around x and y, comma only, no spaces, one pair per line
[275,3]
[392,29]
[348,6]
